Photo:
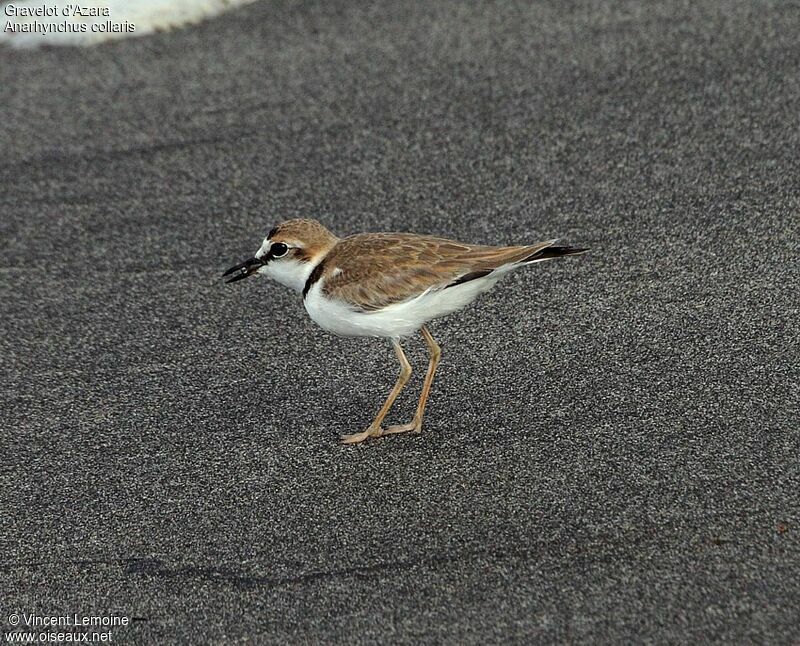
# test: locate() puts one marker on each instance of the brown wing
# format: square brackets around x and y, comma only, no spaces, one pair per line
[378,269]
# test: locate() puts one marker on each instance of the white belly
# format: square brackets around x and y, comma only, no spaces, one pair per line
[394,321]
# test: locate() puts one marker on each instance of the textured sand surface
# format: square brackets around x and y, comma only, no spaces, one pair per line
[611,447]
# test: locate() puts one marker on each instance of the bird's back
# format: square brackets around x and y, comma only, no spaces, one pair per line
[373,270]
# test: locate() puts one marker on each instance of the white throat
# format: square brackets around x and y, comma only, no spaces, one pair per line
[289,272]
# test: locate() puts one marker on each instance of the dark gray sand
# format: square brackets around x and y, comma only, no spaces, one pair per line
[611,448]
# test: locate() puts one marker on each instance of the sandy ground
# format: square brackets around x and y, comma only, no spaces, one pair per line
[611,449]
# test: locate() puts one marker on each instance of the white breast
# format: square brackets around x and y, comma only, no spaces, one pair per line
[394,321]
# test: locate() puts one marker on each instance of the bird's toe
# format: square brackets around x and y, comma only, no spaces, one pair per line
[356,438]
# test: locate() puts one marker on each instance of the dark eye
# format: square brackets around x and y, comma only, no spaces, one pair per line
[278,249]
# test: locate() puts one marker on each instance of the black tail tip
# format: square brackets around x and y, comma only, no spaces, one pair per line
[556,252]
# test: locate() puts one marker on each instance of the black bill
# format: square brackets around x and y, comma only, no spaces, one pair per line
[243,270]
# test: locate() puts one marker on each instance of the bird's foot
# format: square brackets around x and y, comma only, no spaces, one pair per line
[414,425]
[356,438]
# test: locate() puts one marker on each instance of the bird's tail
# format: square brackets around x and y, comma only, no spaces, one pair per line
[553,252]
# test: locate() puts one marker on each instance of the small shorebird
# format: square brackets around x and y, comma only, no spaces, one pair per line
[385,285]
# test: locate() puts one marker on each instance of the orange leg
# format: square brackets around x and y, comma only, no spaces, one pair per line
[374,429]
[416,424]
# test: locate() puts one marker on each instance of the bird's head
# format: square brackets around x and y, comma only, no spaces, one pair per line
[288,254]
